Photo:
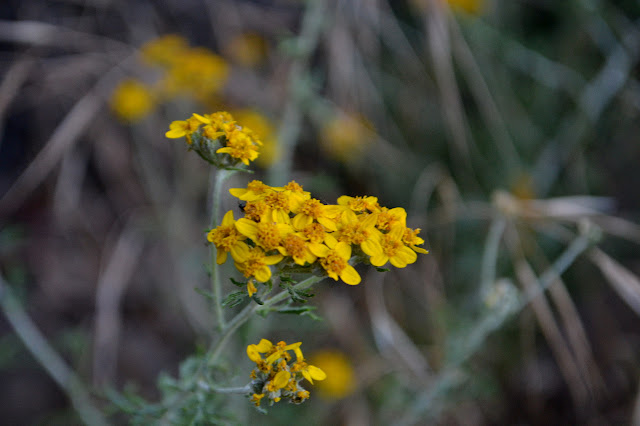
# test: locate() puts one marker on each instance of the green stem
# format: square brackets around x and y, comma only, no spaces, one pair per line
[216,287]
[244,315]
[52,362]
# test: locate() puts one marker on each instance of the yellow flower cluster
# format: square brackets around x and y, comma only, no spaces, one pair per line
[285,226]
[276,376]
[217,138]
[194,72]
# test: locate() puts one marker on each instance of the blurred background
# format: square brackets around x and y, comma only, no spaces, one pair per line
[507,129]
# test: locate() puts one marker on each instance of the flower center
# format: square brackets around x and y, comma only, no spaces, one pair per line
[389,245]
[257,187]
[312,208]
[224,237]
[353,233]
[294,246]
[254,210]
[268,236]
[254,262]
[314,232]
[293,186]
[333,263]
[278,201]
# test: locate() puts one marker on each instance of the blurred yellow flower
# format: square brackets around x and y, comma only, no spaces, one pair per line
[341,380]
[132,100]
[265,131]
[345,136]
[196,72]
[164,50]
[248,49]
[469,6]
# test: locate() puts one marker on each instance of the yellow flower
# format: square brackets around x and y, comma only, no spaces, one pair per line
[360,230]
[196,72]
[185,128]
[262,127]
[387,218]
[163,51]
[267,235]
[296,247]
[359,204]
[341,380]
[313,209]
[132,100]
[227,239]
[394,250]
[241,146]
[410,238]
[335,261]
[255,190]
[256,264]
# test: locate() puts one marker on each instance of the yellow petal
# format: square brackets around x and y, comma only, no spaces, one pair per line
[247,227]
[263,274]
[228,218]
[273,259]
[240,252]
[253,353]
[343,249]
[371,247]
[316,373]
[350,276]
[264,346]
[251,288]
[281,379]
[221,256]
[379,259]
[319,250]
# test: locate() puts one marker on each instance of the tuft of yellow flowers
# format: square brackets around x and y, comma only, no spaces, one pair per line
[217,138]
[184,71]
[286,227]
[277,376]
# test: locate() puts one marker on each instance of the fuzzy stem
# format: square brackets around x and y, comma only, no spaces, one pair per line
[220,177]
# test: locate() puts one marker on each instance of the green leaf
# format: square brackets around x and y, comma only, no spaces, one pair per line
[238,283]
[234,299]
[204,293]
[382,269]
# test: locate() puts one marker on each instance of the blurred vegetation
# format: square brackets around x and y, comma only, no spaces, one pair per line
[508,131]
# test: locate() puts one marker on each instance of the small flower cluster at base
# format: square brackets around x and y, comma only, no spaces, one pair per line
[286,227]
[276,377]
[218,139]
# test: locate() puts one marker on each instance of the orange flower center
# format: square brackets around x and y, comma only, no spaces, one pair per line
[353,233]
[224,237]
[254,210]
[268,236]
[294,246]
[278,201]
[312,208]
[314,233]
[389,245]
[333,263]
